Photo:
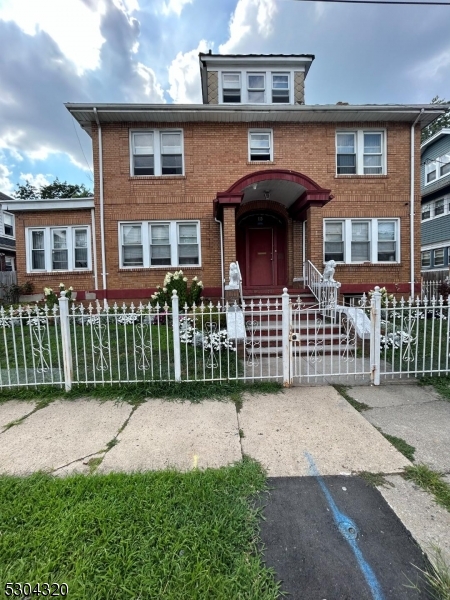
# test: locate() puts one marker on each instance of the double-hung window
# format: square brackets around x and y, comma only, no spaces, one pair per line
[439,207]
[439,257]
[231,88]
[426,258]
[359,241]
[260,145]
[58,248]
[157,152]
[436,168]
[8,224]
[160,244]
[280,88]
[426,211]
[256,86]
[360,153]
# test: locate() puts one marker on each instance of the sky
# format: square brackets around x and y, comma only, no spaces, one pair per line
[146,51]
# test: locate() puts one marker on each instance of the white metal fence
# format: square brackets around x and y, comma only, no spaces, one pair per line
[277,339]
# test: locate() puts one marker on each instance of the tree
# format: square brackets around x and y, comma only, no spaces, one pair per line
[56,189]
[440,122]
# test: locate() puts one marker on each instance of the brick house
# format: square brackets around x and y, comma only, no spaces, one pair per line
[7,237]
[253,174]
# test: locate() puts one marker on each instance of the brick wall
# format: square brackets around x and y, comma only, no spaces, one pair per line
[215,157]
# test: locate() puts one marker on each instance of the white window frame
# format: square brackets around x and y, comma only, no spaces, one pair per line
[9,261]
[442,264]
[13,225]
[422,255]
[373,239]
[173,240]
[269,132]
[272,89]
[259,89]
[268,84]
[359,151]
[48,246]
[157,146]
[235,89]
[436,165]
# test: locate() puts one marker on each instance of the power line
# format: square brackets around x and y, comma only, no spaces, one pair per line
[81,147]
[410,2]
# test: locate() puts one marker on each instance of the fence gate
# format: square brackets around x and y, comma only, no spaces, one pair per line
[324,345]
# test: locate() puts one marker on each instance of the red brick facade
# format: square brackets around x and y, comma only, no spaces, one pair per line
[215,157]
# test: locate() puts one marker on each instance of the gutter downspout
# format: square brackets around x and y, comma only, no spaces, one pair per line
[102,207]
[94,248]
[221,259]
[411,205]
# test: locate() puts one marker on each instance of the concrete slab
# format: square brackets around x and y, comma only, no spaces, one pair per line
[280,428]
[13,410]
[310,554]
[80,467]
[183,436]
[61,433]
[388,395]
[428,523]
[425,426]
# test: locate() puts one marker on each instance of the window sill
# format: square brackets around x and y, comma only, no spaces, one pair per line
[164,269]
[47,273]
[361,176]
[155,177]
[368,264]
[261,162]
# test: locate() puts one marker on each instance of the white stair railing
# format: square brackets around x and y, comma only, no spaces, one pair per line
[325,290]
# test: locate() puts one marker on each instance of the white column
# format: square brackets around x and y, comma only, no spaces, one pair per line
[65,340]
[375,334]
[176,336]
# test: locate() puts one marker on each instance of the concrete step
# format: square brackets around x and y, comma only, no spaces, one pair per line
[301,350]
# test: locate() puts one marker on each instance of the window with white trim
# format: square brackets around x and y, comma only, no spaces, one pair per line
[58,248]
[280,88]
[426,258]
[256,88]
[156,152]
[231,87]
[160,244]
[360,153]
[9,263]
[437,168]
[361,240]
[439,257]
[8,224]
[260,145]
[426,211]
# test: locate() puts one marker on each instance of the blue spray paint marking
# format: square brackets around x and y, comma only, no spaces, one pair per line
[349,532]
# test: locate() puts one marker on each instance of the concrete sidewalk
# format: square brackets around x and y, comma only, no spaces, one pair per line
[275,429]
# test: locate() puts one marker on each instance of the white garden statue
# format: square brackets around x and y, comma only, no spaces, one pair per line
[234,277]
[328,272]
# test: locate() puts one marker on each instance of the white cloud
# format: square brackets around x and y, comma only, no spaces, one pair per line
[436,67]
[152,89]
[36,180]
[250,17]
[78,37]
[6,186]
[174,6]
[184,76]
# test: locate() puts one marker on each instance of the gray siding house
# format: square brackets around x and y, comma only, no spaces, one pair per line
[7,237]
[435,189]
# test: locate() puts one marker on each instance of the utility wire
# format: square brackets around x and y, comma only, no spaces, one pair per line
[81,147]
[419,3]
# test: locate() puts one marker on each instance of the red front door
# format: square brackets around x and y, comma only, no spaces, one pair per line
[260,269]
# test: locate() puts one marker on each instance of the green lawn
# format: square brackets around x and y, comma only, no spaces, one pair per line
[157,535]
[111,352]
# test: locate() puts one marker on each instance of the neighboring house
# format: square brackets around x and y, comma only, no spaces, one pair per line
[7,237]
[252,174]
[436,205]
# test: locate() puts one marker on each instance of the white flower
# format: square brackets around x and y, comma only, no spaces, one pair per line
[71,289]
[200,284]
[194,278]
[61,285]
[164,289]
[47,291]
[175,276]
[184,278]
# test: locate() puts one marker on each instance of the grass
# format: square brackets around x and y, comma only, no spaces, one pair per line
[431,481]
[400,444]
[150,535]
[441,385]
[136,393]
[375,479]
[342,389]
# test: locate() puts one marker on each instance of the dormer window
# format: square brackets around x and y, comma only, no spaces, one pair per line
[231,83]
[256,84]
[280,88]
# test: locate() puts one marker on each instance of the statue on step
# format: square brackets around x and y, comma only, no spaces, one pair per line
[328,272]
[234,277]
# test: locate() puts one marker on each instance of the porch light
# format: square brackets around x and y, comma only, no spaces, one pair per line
[266,194]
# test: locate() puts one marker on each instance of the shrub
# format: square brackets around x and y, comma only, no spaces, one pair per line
[12,293]
[51,298]
[187,294]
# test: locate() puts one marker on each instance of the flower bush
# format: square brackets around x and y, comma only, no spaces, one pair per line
[51,298]
[187,294]
[212,340]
